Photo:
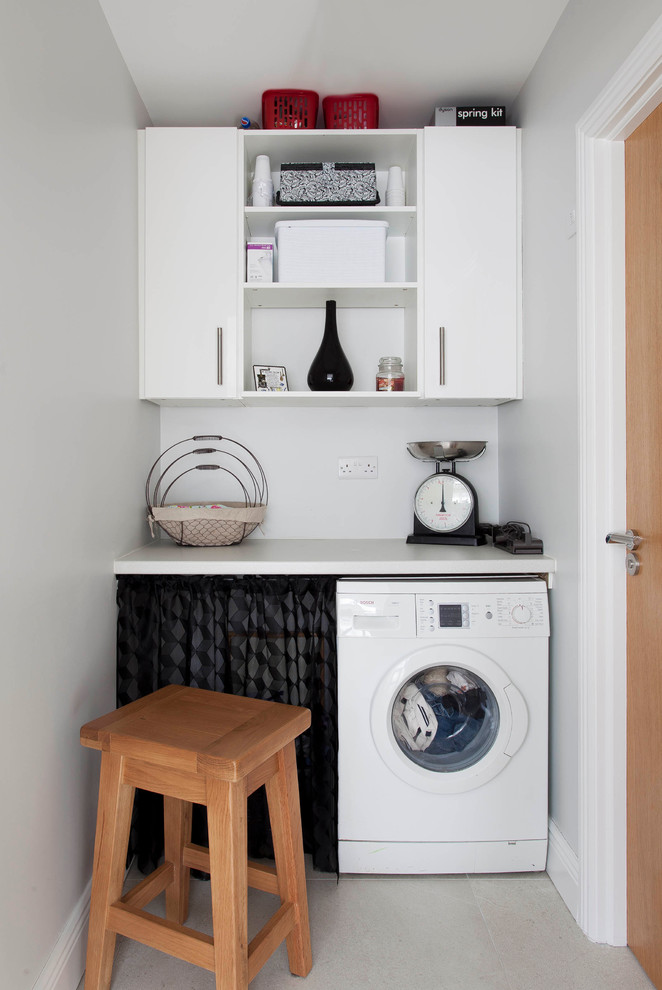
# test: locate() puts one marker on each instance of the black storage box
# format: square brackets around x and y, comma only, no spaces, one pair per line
[328,184]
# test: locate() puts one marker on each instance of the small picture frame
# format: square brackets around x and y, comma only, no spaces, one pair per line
[270,378]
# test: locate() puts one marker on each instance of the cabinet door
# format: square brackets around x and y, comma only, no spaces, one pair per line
[471,266]
[190,263]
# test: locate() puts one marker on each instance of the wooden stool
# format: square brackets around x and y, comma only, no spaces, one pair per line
[212,749]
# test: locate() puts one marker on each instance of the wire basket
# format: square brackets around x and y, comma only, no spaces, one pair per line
[208,524]
[354,111]
[290,108]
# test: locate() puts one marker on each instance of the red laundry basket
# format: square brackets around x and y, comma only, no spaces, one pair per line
[356,110]
[289,108]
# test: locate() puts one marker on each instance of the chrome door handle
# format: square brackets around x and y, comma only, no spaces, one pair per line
[219,354]
[630,539]
[442,355]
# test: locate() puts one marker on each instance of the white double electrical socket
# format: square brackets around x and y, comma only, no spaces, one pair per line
[357,468]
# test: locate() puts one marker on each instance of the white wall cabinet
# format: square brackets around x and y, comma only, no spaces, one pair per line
[190,264]
[205,326]
[471,264]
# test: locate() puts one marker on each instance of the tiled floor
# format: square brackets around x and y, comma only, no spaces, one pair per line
[505,932]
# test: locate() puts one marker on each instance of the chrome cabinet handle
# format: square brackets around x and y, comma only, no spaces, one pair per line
[442,355]
[219,354]
[629,539]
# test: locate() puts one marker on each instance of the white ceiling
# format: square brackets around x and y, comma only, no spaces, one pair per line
[207,62]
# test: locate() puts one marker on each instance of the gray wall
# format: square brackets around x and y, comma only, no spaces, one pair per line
[538,442]
[76,443]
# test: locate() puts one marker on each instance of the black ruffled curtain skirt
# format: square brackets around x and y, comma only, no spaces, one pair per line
[262,637]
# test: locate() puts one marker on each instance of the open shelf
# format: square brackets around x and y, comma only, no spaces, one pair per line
[351,398]
[260,220]
[289,295]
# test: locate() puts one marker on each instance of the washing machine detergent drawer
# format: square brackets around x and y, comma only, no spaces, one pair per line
[376,616]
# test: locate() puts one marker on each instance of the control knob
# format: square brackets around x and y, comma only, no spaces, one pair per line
[521,614]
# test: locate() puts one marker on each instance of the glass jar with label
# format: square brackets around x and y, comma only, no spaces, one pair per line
[390,376]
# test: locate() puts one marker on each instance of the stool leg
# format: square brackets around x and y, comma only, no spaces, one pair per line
[228,866]
[177,832]
[285,816]
[110,848]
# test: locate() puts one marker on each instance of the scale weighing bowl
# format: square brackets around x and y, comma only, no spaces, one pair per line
[447,450]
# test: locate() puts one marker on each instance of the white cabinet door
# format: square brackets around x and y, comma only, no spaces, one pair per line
[190,263]
[471,267]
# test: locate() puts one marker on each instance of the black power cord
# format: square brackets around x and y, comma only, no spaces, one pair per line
[515,537]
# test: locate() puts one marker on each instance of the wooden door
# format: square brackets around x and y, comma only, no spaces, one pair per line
[643,252]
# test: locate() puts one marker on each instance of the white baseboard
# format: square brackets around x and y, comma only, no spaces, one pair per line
[563,868]
[66,963]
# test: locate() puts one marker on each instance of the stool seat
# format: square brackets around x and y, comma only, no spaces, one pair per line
[204,747]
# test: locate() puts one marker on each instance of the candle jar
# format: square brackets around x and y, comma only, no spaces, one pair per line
[390,376]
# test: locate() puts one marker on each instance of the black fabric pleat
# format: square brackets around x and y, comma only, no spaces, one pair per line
[261,637]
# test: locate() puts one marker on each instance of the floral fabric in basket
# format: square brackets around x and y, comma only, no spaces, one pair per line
[209,524]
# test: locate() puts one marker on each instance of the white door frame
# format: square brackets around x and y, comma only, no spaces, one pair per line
[634,92]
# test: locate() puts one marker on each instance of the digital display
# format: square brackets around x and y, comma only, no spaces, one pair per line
[450,615]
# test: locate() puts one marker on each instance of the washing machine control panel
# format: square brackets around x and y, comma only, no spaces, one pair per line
[481,615]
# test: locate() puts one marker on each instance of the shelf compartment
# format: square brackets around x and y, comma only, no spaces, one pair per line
[291,338]
[401,245]
[384,148]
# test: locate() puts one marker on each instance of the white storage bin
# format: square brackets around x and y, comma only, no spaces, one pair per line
[331,251]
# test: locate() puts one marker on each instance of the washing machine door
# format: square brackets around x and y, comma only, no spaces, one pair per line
[447,719]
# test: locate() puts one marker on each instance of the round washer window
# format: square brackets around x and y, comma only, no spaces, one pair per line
[445,719]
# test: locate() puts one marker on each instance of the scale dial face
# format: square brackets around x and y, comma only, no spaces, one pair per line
[443,503]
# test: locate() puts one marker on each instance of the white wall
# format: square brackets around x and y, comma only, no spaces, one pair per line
[76,443]
[299,450]
[538,437]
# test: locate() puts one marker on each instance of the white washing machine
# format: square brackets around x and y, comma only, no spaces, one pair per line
[443,725]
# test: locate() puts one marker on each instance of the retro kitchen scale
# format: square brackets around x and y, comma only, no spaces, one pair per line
[445,504]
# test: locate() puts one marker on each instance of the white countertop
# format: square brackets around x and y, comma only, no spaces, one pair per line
[342,557]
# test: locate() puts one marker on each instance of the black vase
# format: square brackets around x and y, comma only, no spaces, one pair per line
[330,370]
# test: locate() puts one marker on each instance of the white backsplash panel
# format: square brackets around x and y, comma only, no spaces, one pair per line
[299,450]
